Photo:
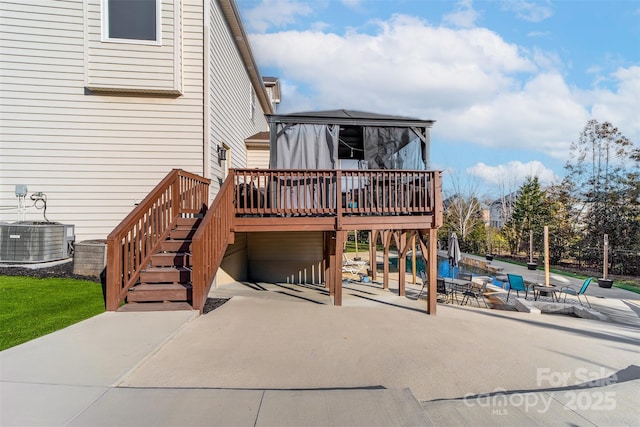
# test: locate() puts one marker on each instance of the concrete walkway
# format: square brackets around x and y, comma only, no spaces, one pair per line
[282,355]
[618,305]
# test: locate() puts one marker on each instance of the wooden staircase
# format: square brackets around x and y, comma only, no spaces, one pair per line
[166,282]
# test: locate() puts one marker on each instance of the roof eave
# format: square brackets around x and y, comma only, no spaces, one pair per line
[232,16]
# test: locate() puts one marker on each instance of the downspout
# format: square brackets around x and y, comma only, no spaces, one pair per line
[206,97]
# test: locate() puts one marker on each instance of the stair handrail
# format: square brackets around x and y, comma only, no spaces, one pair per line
[131,244]
[210,241]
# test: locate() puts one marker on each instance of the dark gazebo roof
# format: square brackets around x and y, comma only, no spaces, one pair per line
[349,117]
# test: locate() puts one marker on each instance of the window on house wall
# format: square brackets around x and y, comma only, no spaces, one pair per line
[131,20]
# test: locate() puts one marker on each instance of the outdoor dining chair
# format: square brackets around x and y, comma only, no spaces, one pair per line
[460,287]
[516,283]
[476,292]
[569,290]
[443,293]
[352,266]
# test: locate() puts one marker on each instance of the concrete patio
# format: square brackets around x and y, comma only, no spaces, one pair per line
[281,354]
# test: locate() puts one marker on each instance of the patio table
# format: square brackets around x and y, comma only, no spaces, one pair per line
[457,286]
[545,290]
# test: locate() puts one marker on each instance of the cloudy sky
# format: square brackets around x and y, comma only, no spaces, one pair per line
[510,83]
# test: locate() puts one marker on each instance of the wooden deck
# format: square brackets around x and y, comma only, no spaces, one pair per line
[399,206]
[333,200]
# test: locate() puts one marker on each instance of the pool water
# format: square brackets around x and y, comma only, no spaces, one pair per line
[445,269]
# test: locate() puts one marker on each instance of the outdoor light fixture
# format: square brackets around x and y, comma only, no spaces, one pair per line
[222,153]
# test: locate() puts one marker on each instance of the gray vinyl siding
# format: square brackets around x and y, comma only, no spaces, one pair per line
[94,155]
[229,98]
[96,125]
[131,66]
[257,158]
[286,257]
[234,265]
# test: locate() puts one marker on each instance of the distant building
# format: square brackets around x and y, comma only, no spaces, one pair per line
[500,210]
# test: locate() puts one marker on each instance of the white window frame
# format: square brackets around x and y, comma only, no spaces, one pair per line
[104,9]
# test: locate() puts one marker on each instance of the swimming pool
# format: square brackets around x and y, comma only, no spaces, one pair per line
[445,269]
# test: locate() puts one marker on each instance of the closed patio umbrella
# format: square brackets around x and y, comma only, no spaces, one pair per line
[454,250]
[453,253]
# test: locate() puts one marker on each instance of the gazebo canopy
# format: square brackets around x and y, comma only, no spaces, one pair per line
[317,140]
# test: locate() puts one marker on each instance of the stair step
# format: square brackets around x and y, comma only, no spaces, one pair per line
[159,292]
[175,246]
[188,222]
[182,233]
[165,275]
[155,306]
[168,259]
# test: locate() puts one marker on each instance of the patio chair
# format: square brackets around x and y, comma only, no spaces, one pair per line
[442,290]
[423,277]
[347,261]
[460,286]
[569,290]
[465,276]
[476,292]
[352,266]
[516,283]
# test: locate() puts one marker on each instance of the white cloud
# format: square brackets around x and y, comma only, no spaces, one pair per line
[533,11]
[480,88]
[538,117]
[406,66]
[620,106]
[353,4]
[278,13]
[465,16]
[513,174]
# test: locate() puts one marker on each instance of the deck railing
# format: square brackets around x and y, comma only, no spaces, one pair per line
[254,192]
[131,244]
[335,192]
[209,243]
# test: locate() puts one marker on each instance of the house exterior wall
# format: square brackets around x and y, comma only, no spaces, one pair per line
[229,99]
[234,265]
[287,257]
[95,124]
[93,154]
[258,158]
[137,67]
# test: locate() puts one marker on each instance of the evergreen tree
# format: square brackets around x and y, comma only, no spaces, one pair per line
[603,176]
[530,212]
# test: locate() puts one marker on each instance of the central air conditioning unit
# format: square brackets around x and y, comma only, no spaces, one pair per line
[31,242]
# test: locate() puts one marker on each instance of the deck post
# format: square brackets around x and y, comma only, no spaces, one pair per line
[433,270]
[402,262]
[373,253]
[331,260]
[337,294]
[325,259]
[385,263]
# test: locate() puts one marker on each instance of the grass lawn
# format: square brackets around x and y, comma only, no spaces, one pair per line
[32,307]
[628,285]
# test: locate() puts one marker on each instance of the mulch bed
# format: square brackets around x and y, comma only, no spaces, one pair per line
[213,303]
[64,270]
